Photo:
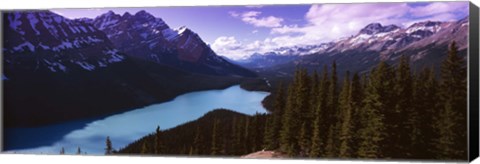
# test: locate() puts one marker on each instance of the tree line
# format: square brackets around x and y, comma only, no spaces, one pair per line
[221,132]
[390,112]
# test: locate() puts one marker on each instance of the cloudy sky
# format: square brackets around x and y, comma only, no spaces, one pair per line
[239,31]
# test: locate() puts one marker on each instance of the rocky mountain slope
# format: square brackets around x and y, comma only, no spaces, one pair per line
[146,37]
[426,43]
[58,44]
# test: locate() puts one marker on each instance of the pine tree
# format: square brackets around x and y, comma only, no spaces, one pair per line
[451,121]
[226,142]
[316,148]
[275,120]
[158,141]
[330,144]
[254,133]
[356,98]
[304,141]
[108,149]
[288,123]
[332,110]
[215,139]
[403,120]
[239,144]
[144,148]
[332,96]
[79,151]
[297,105]
[62,151]
[234,136]
[345,109]
[319,124]
[426,103]
[246,134]
[314,94]
[268,139]
[372,130]
[303,120]
[197,142]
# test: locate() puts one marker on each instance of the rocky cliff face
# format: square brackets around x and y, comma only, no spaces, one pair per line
[145,37]
[47,42]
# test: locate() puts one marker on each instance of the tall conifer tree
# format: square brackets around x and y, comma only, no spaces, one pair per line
[345,109]
[215,150]
[108,149]
[451,122]
[372,130]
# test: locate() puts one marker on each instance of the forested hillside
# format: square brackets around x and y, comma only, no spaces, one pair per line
[390,113]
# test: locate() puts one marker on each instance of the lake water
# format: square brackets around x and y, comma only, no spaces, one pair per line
[127,127]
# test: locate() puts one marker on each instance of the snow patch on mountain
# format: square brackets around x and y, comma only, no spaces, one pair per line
[54,43]
[15,22]
[21,47]
[169,34]
[85,65]
[33,22]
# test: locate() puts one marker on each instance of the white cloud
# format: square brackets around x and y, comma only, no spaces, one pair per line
[254,31]
[252,17]
[234,49]
[436,8]
[227,46]
[332,21]
[251,14]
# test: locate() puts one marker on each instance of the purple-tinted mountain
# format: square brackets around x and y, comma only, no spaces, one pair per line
[57,69]
[143,36]
[58,44]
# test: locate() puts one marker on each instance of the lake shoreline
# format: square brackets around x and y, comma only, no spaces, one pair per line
[227,93]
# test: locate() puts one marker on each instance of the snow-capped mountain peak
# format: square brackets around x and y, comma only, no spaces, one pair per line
[375,28]
[182,29]
[144,36]
[374,38]
[425,26]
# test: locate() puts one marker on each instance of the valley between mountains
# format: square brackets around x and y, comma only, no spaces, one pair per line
[404,87]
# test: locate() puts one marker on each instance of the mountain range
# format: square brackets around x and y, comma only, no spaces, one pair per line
[58,69]
[280,55]
[426,44]
[145,37]
[113,63]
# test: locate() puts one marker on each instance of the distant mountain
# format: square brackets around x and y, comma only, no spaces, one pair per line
[57,69]
[426,43]
[145,37]
[280,56]
[265,60]
[375,37]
